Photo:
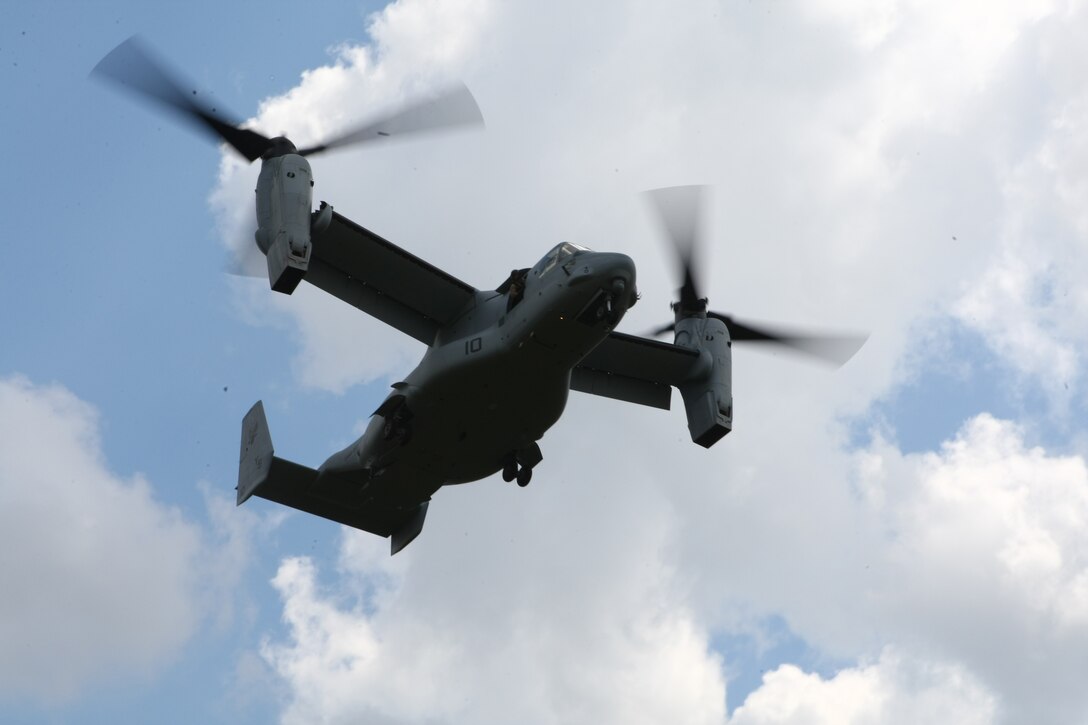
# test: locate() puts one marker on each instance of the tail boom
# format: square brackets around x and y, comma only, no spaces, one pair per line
[261,473]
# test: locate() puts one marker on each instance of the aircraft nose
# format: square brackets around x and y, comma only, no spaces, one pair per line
[606,267]
[619,270]
[617,274]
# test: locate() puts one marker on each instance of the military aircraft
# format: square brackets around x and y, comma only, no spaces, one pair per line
[500,362]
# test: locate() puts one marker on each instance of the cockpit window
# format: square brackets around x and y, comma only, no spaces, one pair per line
[558,256]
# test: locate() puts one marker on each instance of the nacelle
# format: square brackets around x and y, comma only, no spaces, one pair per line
[284,201]
[708,395]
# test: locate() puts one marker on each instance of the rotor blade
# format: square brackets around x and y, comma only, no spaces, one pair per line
[661,330]
[835,349]
[679,209]
[134,68]
[447,109]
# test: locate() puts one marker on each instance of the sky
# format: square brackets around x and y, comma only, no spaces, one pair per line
[899,540]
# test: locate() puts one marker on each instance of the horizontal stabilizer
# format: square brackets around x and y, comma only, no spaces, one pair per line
[409,530]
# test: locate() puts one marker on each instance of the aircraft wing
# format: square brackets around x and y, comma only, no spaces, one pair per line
[634,369]
[385,281]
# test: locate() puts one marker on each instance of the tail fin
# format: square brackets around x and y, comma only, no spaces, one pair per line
[255,462]
[258,464]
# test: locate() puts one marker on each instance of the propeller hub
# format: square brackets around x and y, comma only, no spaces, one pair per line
[689,308]
[279,146]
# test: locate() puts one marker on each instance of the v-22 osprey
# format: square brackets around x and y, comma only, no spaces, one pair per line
[500,362]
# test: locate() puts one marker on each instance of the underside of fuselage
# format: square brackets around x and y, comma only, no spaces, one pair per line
[481,398]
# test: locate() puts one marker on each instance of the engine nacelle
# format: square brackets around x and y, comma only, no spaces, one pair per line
[708,395]
[284,201]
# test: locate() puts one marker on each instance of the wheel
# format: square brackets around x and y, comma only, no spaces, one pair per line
[509,472]
[524,476]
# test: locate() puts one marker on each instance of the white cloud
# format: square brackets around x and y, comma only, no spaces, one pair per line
[1029,300]
[99,578]
[972,556]
[515,617]
[889,692]
[982,558]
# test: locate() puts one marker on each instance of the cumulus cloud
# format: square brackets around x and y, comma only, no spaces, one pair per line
[99,576]
[883,166]
[1029,301]
[971,555]
[890,691]
[984,560]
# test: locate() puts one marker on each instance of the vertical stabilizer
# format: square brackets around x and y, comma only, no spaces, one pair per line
[255,461]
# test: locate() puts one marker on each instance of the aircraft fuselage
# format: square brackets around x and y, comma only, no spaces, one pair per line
[495,380]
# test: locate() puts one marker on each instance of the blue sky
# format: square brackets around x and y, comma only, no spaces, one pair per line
[853,549]
[123,249]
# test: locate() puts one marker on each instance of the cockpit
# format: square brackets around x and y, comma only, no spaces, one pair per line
[557,257]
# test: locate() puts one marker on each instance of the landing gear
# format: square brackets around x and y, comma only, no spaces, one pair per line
[519,465]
